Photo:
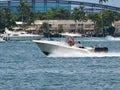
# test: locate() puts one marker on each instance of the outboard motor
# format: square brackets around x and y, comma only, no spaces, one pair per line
[101,49]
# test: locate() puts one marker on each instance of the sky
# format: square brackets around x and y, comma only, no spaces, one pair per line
[110,2]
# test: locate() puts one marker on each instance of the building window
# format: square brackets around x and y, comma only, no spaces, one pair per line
[87,26]
[72,25]
[80,24]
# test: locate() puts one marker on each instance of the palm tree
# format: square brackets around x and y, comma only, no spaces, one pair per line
[6,17]
[101,2]
[63,13]
[24,11]
[78,14]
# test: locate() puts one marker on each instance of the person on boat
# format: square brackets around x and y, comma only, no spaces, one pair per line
[79,45]
[72,42]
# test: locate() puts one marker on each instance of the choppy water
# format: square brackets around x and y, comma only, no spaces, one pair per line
[24,67]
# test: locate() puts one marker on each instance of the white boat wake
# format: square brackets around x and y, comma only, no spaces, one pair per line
[113,38]
[73,54]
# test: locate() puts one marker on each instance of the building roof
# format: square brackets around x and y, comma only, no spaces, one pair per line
[39,22]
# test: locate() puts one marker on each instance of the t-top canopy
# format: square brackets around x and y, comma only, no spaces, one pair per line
[71,34]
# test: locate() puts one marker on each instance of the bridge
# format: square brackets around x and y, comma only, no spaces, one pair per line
[94,6]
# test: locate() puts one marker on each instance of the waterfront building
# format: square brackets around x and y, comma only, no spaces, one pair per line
[116,24]
[86,27]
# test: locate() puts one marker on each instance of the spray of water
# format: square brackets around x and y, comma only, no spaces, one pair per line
[113,38]
[74,54]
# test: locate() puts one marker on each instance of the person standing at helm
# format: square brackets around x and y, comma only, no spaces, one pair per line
[72,42]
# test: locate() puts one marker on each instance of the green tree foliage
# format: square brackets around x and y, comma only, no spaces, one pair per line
[5,17]
[58,14]
[111,30]
[25,12]
[78,14]
[15,16]
[96,19]
[1,23]
[101,15]
[39,15]
[108,18]
[63,13]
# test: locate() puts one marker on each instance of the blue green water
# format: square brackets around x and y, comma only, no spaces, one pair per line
[24,67]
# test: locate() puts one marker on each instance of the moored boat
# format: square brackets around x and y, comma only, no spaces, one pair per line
[19,36]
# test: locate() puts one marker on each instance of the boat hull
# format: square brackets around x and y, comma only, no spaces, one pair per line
[21,38]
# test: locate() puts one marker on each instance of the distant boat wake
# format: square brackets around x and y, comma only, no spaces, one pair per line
[113,38]
[111,54]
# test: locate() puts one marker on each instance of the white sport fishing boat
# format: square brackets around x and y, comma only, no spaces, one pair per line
[52,47]
[19,36]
